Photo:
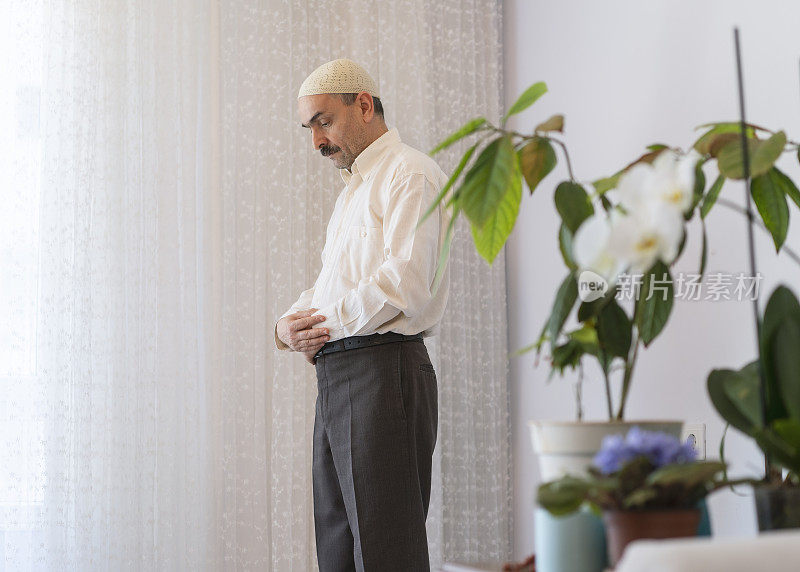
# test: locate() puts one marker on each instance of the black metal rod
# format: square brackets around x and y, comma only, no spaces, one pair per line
[750,235]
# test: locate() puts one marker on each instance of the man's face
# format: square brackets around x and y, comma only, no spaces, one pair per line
[338,131]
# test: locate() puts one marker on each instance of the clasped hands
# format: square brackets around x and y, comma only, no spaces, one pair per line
[298,332]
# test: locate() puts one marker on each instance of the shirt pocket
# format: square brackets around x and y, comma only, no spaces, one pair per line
[362,252]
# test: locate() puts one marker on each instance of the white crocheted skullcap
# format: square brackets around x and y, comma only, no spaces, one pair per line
[338,76]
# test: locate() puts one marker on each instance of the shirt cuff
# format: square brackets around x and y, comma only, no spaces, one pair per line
[278,342]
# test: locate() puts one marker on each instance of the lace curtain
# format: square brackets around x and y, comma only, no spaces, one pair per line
[161,206]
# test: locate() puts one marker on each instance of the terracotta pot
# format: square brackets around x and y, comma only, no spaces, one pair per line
[777,507]
[623,527]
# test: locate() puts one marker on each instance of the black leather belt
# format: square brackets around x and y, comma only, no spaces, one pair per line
[356,342]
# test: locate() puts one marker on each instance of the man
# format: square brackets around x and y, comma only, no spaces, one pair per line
[362,324]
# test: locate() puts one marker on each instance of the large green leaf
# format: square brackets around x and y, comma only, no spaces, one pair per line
[789,431]
[735,396]
[492,180]
[720,133]
[528,98]
[562,305]
[778,449]
[782,305]
[711,196]
[589,310]
[490,238]
[768,195]
[655,302]
[784,356]
[563,496]
[453,178]
[573,204]
[786,185]
[614,330]
[536,159]
[468,128]
[762,153]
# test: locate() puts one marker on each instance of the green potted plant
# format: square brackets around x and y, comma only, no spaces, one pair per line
[646,484]
[762,399]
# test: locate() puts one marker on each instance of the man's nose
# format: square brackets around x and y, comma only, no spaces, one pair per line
[318,139]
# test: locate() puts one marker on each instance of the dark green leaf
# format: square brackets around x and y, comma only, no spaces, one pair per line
[528,98]
[770,200]
[588,310]
[655,302]
[490,238]
[488,182]
[573,204]
[453,178]
[565,300]
[563,496]
[786,184]
[763,154]
[536,159]
[554,123]
[782,305]
[567,355]
[784,356]
[711,196]
[468,128]
[614,330]
[735,396]
[789,431]
[565,246]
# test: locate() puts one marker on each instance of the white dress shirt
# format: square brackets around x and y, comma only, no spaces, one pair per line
[377,266]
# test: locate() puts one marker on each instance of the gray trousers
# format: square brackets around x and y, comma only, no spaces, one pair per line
[374,433]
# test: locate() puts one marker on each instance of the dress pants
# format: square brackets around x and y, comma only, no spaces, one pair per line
[374,433]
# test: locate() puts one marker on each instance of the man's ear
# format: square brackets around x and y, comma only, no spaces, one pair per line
[366,105]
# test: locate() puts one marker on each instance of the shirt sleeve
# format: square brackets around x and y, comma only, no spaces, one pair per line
[403,283]
[303,303]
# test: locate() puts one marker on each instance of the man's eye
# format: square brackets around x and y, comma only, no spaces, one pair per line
[325,124]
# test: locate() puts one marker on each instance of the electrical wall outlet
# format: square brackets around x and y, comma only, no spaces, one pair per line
[695,433]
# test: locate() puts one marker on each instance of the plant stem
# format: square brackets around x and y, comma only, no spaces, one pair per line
[566,156]
[626,378]
[785,248]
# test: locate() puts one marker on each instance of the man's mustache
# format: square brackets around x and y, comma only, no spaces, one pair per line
[328,150]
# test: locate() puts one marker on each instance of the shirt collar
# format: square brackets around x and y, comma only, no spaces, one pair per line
[368,158]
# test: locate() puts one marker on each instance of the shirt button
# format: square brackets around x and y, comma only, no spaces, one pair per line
[364,233]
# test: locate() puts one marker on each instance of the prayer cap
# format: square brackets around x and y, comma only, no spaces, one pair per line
[338,76]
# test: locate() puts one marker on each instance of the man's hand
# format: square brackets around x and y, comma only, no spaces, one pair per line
[298,332]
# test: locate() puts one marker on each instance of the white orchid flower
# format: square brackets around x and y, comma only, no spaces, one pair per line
[666,184]
[590,247]
[641,237]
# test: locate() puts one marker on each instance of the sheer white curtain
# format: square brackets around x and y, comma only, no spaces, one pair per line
[162,206]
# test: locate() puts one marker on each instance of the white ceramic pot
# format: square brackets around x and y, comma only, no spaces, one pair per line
[565,447]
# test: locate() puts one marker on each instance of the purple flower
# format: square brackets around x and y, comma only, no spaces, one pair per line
[661,448]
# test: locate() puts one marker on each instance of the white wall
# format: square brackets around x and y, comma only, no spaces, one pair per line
[627,74]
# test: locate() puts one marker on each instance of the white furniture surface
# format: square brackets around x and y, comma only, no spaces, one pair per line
[774,551]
